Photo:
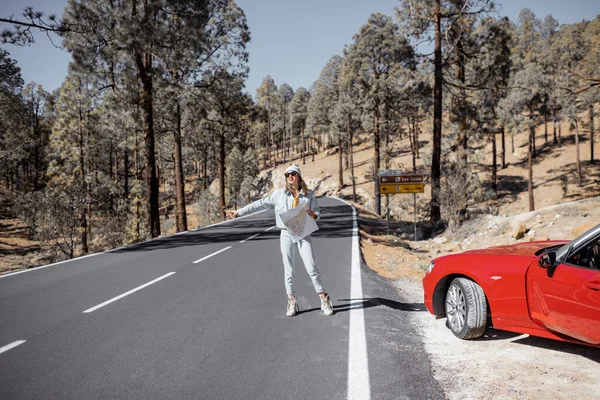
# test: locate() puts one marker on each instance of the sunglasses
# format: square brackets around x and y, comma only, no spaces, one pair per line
[292,173]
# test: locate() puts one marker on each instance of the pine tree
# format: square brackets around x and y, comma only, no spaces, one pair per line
[378,49]
[299,114]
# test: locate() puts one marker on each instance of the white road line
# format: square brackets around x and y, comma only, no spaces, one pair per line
[127,293]
[210,255]
[125,247]
[359,385]
[251,237]
[10,346]
[49,265]
[273,227]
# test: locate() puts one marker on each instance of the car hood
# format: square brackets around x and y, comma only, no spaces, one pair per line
[518,249]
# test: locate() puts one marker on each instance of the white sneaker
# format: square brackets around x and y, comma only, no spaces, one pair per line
[292,307]
[326,305]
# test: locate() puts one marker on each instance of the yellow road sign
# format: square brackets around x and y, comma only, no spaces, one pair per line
[402,188]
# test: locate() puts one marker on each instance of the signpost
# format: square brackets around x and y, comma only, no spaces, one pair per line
[394,182]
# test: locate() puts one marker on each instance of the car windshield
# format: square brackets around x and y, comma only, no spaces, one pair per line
[575,243]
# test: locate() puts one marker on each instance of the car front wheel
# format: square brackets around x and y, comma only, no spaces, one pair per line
[466,309]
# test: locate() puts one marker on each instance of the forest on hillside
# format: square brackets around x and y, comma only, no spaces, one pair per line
[153,109]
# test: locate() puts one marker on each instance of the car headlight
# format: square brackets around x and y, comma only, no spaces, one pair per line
[430,267]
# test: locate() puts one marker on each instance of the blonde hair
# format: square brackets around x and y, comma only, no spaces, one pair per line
[301,184]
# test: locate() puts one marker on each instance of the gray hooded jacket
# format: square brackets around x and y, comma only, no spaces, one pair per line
[281,201]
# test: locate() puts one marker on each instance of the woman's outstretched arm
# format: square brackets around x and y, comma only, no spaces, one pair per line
[257,205]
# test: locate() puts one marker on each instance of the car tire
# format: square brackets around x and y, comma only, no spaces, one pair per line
[466,309]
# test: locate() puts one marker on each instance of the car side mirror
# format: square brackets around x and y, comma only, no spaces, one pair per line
[547,260]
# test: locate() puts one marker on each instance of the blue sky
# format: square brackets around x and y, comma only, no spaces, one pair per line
[291,39]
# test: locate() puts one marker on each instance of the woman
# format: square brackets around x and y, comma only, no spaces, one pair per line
[282,200]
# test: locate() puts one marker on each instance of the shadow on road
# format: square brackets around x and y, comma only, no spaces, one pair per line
[371,302]
[590,353]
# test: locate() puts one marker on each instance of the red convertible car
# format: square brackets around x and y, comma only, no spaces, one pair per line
[549,289]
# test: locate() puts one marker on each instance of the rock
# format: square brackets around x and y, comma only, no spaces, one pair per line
[550,223]
[369,240]
[531,233]
[440,240]
[520,231]
[404,236]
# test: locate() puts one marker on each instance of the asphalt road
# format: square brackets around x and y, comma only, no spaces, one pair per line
[201,315]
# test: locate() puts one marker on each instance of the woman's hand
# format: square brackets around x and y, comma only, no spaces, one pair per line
[311,213]
[233,214]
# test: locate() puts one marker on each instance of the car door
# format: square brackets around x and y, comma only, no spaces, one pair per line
[565,299]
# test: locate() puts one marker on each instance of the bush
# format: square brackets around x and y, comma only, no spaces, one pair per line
[458,187]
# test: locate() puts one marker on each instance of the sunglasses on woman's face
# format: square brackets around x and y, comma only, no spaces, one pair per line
[292,173]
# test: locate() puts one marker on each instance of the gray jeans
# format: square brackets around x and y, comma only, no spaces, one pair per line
[288,251]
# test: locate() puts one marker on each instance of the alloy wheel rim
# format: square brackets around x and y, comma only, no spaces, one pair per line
[456,310]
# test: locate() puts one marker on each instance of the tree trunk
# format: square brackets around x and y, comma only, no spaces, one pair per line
[545,128]
[84,241]
[181,216]
[512,141]
[351,157]
[283,146]
[579,178]
[413,145]
[437,116]
[416,128]
[591,109]
[376,159]
[36,155]
[530,164]
[205,169]
[126,177]
[136,170]
[532,132]
[462,137]
[340,170]
[302,144]
[271,156]
[222,173]
[503,147]
[494,165]
[554,127]
[144,66]
[266,154]
[559,132]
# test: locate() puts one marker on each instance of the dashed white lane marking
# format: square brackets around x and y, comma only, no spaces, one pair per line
[210,255]
[89,310]
[251,237]
[273,227]
[359,386]
[11,346]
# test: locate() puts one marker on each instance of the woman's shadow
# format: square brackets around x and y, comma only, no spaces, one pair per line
[355,304]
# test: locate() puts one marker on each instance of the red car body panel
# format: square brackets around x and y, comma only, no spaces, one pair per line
[502,273]
[564,303]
